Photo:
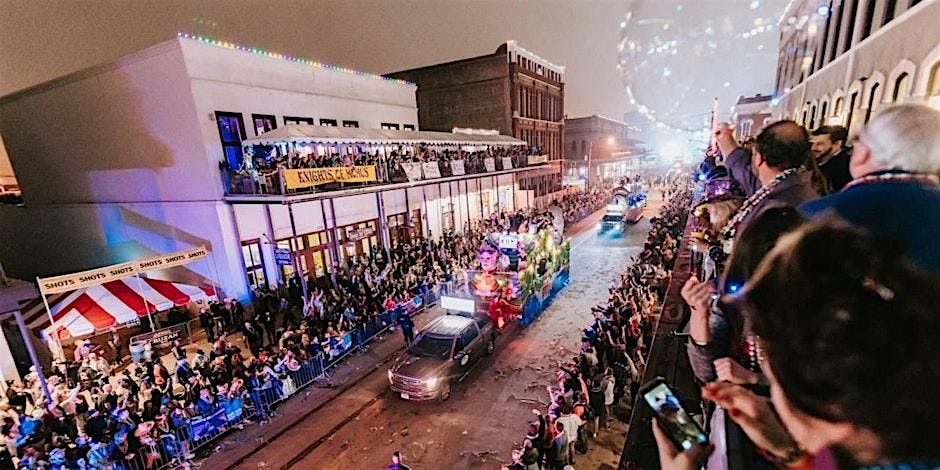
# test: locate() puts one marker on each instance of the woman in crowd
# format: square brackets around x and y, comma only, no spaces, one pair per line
[847,330]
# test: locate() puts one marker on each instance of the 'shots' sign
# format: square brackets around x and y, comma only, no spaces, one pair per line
[75,281]
[309,177]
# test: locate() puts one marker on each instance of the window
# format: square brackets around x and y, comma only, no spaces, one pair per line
[328,122]
[872,102]
[822,113]
[263,123]
[869,19]
[901,87]
[298,120]
[890,5]
[853,12]
[390,126]
[254,266]
[350,123]
[408,127]
[231,133]
[835,37]
[853,102]
[466,337]
[933,86]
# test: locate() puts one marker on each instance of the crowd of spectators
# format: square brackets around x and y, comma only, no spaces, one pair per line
[259,166]
[612,351]
[104,415]
[815,336]
[579,204]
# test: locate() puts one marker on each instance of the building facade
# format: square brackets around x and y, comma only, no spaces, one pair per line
[750,114]
[125,160]
[511,90]
[598,147]
[841,60]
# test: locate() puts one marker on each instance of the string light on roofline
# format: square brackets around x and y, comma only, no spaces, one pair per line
[299,60]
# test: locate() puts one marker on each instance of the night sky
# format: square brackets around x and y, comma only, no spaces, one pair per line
[45,39]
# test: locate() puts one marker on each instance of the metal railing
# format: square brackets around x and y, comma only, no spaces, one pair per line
[259,400]
[268,182]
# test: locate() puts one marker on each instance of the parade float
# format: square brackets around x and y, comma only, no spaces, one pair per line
[518,277]
[625,208]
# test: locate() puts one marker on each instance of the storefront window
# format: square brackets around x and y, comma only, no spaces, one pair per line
[254,266]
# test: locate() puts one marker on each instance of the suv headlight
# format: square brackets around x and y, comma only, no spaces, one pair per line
[432,382]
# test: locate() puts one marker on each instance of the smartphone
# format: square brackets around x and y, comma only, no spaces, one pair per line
[682,430]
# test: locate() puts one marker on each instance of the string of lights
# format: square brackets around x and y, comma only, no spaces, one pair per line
[275,55]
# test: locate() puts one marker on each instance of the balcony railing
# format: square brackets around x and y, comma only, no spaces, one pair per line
[294,181]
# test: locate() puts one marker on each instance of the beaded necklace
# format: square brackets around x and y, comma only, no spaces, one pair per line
[752,202]
[930,180]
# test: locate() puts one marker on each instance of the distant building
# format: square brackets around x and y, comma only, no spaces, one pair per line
[511,90]
[599,147]
[750,115]
[839,63]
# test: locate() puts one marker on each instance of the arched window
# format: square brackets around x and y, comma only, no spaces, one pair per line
[823,118]
[902,87]
[812,117]
[837,109]
[933,86]
[872,102]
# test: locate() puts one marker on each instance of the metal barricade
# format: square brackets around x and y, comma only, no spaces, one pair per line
[260,403]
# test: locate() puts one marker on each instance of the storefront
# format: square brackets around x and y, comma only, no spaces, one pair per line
[402,230]
[312,251]
[359,239]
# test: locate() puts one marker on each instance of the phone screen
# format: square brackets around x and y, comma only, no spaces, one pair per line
[672,418]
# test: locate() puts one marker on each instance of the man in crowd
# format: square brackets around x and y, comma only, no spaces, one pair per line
[775,172]
[895,193]
[832,155]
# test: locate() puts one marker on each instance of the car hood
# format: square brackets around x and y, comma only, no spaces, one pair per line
[418,367]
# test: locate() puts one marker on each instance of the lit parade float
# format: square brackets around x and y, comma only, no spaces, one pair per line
[519,276]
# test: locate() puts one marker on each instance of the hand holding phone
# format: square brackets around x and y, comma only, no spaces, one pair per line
[684,432]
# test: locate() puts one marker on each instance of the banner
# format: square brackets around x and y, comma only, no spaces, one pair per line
[69,282]
[282,257]
[489,164]
[431,170]
[309,177]
[93,277]
[412,171]
[537,159]
[171,260]
[507,163]
[457,168]
[162,338]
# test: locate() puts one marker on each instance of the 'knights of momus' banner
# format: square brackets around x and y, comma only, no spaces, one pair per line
[308,177]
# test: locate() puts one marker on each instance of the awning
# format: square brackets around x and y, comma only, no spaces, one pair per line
[299,133]
[98,307]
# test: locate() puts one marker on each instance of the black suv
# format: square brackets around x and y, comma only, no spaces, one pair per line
[442,353]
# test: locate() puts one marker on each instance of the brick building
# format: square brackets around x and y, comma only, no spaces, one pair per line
[750,114]
[511,90]
[599,147]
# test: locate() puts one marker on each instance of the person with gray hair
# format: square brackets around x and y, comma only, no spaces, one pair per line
[895,191]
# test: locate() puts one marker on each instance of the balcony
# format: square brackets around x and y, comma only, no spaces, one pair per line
[302,159]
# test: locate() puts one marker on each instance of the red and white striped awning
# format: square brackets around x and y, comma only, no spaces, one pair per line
[98,307]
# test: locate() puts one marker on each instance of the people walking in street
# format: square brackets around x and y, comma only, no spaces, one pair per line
[406,324]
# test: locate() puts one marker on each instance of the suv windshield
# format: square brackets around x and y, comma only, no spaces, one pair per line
[431,346]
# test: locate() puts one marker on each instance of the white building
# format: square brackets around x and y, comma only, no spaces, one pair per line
[121,161]
[840,60]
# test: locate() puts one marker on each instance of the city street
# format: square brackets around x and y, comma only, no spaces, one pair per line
[362,423]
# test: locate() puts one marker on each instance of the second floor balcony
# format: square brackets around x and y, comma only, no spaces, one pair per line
[302,159]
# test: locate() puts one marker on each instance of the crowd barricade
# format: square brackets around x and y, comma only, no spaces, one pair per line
[259,403]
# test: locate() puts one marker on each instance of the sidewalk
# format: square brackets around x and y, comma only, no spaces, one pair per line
[234,449]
